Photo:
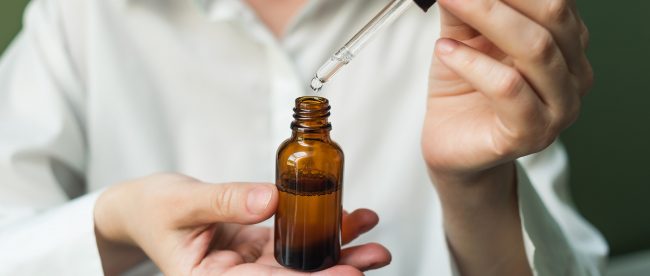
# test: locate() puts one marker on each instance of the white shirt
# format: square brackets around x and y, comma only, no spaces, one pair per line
[94,92]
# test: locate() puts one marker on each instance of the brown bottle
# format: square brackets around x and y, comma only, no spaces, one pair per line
[309,176]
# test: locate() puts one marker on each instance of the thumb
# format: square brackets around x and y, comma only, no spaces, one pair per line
[244,203]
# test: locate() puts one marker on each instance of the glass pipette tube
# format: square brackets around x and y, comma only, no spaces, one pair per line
[344,55]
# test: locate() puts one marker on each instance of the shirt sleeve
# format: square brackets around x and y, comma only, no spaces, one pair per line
[557,239]
[46,222]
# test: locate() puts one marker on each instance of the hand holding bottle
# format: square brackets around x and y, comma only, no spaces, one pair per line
[187,227]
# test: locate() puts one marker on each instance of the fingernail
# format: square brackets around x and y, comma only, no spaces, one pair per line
[446,46]
[258,200]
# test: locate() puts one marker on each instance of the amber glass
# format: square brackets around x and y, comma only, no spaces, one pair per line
[309,176]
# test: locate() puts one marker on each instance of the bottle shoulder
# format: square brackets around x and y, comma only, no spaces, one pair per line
[314,156]
[309,147]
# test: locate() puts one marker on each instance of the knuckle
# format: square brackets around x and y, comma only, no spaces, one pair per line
[509,84]
[532,141]
[529,137]
[489,6]
[543,143]
[559,121]
[222,200]
[568,116]
[542,46]
[556,11]
[479,6]
[510,142]
[544,136]
[470,61]
[504,147]
[573,116]
[533,138]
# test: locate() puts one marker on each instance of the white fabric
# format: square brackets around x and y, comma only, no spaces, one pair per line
[94,92]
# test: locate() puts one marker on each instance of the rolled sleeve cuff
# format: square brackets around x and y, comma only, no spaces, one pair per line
[60,241]
[547,248]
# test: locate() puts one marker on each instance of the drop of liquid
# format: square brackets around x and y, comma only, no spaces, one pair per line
[316,84]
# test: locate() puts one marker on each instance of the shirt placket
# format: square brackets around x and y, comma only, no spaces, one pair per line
[281,72]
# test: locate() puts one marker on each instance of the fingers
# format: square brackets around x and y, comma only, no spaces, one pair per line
[250,242]
[514,101]
[366,257]
[513,32]
[560,17]
[453,27]
[362,257]
[358,222]
[243,203]
[339,270]
[533,48]
[216,262]
[354,224]
[263,270]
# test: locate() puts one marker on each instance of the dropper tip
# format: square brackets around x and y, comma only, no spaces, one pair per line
[316,84]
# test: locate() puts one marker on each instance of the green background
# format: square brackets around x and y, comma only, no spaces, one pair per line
[609,145]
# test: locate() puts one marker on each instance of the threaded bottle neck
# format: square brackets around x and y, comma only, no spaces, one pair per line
[311,115]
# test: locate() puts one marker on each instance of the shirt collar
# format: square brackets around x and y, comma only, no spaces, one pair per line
[222,10]
[226,10]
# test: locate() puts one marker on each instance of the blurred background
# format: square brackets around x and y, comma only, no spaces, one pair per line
[609,146]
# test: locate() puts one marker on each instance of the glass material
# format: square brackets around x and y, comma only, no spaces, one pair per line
[343,56]
[309,176]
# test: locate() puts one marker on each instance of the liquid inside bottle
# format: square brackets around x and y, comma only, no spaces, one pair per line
[309,177]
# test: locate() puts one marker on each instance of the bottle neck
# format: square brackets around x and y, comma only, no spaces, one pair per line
[311,118]
[323,135]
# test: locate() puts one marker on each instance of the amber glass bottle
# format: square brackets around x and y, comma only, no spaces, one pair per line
[309,176]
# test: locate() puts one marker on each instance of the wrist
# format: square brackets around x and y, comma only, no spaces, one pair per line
[481,220]
[108,218]
[118,253]
[490,187]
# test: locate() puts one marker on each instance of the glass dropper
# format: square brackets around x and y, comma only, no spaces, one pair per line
[344,55]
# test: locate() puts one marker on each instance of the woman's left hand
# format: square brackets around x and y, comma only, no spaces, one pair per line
[507,77]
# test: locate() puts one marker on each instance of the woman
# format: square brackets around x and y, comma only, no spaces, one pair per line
[104,92]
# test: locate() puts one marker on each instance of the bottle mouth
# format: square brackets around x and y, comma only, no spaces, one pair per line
[311,113]
[312,103]
[311,107]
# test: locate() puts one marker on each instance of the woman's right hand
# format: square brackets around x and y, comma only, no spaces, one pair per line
[187,227]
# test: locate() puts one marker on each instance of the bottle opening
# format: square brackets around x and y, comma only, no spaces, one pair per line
[312,103]
[311,113]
